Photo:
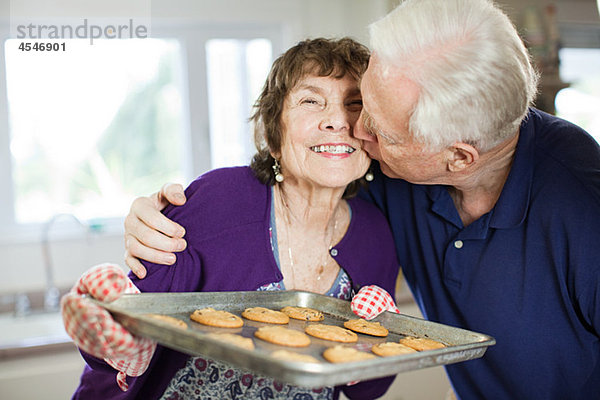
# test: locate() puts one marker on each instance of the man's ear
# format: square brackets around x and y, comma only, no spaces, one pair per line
[461,156]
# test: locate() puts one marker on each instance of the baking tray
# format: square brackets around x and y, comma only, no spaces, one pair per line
[129,310]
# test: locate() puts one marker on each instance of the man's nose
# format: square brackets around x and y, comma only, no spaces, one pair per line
[360,130]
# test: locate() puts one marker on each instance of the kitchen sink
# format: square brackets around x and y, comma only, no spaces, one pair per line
[32,330]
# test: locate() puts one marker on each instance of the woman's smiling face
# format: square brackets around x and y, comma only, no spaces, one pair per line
[318,118]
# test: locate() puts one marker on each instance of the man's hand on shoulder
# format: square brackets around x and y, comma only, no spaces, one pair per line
[151,236]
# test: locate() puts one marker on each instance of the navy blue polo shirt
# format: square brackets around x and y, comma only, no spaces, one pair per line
[526,273]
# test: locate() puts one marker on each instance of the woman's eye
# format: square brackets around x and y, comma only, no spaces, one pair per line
[310,101]
[355,105]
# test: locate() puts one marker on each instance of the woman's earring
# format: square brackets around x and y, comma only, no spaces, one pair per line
[277,171]
[369,176]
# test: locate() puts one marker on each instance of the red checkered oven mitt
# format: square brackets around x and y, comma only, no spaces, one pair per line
[93,329]
[370,301]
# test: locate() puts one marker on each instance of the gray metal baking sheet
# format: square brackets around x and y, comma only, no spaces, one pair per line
[129,310]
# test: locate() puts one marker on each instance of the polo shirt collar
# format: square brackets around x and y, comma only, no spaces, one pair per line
[511,209]
[442,204]
[513,203]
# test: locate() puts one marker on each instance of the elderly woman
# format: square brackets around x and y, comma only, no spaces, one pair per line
[288,221]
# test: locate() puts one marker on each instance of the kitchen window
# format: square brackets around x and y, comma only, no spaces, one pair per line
[580,102]
[95,126]
[231,95]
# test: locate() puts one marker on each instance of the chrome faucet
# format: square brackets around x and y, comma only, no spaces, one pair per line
[22,305]
[52,293]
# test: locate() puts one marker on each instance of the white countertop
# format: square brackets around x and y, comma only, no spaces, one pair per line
[31,332]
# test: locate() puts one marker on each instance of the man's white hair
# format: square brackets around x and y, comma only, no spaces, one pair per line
[475,75]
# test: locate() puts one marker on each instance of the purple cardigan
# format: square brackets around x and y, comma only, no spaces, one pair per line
[227,218]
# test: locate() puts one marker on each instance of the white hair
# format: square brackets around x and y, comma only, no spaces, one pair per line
[475,75]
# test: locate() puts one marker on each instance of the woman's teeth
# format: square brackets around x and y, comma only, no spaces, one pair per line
[337,149]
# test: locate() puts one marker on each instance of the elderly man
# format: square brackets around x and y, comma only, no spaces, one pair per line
[494,205]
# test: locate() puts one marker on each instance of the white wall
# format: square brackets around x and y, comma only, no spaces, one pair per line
[301,18]
[22,264]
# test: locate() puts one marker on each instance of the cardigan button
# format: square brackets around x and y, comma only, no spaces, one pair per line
[333,252]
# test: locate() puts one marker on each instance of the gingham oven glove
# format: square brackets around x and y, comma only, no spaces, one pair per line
[93,329]
[370,301]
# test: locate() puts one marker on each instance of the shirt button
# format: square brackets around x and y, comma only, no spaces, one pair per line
[458,244]
[333,252]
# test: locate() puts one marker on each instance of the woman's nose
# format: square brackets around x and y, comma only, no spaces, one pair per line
[336,118]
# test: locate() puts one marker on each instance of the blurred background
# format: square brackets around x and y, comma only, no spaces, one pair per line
[89,125]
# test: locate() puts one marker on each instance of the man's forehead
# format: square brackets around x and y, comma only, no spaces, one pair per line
[387,95]
[375,79]
[382,72]
[366,84]
[372,85]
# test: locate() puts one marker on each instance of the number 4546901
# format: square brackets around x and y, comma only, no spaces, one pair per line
[37,46]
